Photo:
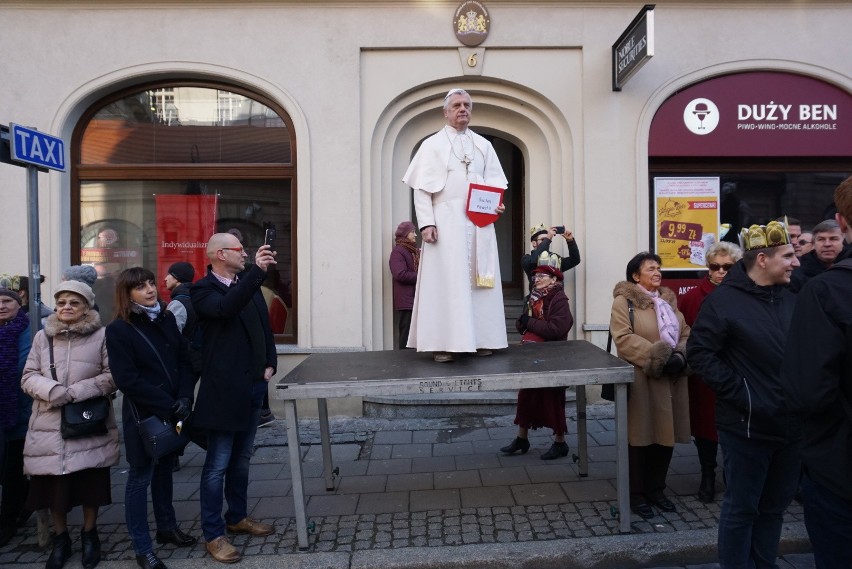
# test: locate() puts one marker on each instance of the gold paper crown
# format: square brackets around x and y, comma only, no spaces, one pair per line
[548,259]
[537,229]
[773,234]
[11,282]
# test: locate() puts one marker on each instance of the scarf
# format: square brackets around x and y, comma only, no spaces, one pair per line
[666,318]
[150,311]
[10,375]
[411,248]
[535,304]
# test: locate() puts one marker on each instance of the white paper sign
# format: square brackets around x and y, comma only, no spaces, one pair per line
[483,202]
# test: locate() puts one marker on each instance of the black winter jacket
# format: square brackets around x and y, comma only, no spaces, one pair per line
[229,368]
[736,345]
[530,261]
[139,375]
[817,375]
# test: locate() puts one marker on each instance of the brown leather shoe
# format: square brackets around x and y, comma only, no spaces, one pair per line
[252,527]
[222,551]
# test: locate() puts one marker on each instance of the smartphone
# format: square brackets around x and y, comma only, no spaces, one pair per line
[269,237]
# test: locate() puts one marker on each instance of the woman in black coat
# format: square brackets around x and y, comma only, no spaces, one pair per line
[160,384]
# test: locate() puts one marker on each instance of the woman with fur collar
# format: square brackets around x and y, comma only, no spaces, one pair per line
[654,341]
[69,472]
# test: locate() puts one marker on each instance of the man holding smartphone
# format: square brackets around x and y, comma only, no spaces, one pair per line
[238,360]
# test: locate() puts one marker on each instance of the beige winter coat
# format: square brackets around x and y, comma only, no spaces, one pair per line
[658,408]
[83,372]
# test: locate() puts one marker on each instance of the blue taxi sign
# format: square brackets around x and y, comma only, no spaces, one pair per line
[33,147]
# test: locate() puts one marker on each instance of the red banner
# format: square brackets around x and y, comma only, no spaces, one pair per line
[184,224]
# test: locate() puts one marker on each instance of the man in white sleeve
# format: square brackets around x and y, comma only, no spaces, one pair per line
[458,304]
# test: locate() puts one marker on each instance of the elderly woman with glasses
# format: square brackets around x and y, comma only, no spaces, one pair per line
[720,258]
[649,332]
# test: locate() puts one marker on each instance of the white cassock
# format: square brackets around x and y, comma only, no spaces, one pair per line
[458,302]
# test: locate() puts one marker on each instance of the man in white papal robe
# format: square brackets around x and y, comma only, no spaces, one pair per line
[458,302]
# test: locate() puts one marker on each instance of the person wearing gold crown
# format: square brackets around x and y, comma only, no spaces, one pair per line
[458,302]
[737,344]
[817,378]
[540,255]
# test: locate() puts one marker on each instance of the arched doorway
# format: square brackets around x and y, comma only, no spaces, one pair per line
[534,144]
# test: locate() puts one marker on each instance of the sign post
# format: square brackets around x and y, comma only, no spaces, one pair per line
[37,151]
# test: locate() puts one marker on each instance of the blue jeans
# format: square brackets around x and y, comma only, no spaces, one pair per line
[226,472]
[828,518]
[761,477]
[159,477]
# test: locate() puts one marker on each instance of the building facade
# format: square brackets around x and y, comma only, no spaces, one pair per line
[183,117]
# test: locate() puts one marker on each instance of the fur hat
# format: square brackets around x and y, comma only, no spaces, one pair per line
[182,271]
[404,229]
[76,287]
[83,273]
[11,294]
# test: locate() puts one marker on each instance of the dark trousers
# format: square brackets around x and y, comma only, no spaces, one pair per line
[648,468]
[15,484]
[157,476]
[707,450]
[404,325]
[761,479]
[828,518]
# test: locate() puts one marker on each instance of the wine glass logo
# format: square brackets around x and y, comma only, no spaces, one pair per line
[701,110]
[701,116]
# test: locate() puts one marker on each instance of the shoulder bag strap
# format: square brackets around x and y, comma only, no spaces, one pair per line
[52,366]
[156,353]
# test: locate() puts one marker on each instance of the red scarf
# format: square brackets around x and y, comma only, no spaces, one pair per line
[411,247]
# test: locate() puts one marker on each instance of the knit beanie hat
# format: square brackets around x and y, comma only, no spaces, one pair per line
[83,273]
[77,288]
[182,271]
[404,229]
[11,294]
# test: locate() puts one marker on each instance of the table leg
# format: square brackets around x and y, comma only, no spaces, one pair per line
[295,453]
[582,431]
[322,410]
[621,458]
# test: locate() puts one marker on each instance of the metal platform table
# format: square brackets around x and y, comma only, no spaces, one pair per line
[549,364]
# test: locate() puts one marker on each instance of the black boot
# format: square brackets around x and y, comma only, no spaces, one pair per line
[556,450]
[707,488]
[61,551]
[518,444]
[91,548]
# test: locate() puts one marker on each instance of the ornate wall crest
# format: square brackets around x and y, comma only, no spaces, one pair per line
[471,23]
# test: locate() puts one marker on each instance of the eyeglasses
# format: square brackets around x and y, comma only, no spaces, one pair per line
[542,275]
[717,266]
[237,249]
[803,242]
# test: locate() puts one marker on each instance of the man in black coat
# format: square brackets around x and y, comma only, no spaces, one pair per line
[238,360]
[736,345]
[817,378]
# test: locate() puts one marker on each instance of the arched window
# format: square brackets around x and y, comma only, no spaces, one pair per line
[157,169]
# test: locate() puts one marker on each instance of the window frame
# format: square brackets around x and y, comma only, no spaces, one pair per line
[80,173]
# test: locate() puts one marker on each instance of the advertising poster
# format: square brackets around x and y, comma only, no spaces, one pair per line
[184,224]
[686,220]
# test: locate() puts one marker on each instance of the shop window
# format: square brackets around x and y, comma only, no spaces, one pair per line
[157,170]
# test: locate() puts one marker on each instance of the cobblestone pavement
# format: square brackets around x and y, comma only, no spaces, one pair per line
[410,483]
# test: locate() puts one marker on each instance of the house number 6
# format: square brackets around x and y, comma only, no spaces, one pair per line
[471,61]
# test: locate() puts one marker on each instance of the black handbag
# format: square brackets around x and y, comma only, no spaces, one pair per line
[81,418]
[160,437]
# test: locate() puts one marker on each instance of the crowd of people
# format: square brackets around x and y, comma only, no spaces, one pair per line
[59,431]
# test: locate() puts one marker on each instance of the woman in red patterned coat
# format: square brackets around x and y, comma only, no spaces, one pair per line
[720,258]
[547,318]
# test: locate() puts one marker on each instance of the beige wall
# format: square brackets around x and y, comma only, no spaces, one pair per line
[363,82]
